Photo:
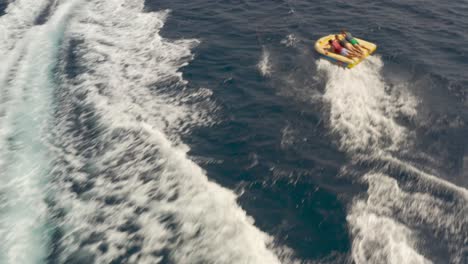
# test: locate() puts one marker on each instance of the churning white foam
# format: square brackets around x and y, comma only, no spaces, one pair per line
[30,55]
[444,217]
[362,112]
[378,237]
[128,191]
[19,17]
[264,65]
[386,225]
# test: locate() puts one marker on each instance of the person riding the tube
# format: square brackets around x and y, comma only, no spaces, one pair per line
[338,49]
[345,44]
[349,37]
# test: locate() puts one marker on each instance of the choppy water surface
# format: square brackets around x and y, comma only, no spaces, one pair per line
[211,132]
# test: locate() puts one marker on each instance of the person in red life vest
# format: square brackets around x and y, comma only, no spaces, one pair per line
[338,49]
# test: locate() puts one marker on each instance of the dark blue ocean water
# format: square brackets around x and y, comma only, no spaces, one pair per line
[211,132]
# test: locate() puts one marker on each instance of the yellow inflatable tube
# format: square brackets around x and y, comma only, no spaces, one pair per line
[322,44]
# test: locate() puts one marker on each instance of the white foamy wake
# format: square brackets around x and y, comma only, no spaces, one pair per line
[361,111]
[264,65]
[125,188]
[17,21]
[377,232]
[386,225]
[29,55]
[19,17]
[378,237]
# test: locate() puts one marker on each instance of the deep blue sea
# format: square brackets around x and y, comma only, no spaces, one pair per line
[193,132]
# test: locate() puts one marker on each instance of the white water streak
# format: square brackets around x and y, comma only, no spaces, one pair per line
[362,116]
[378,237]
[362,112]
[264,65]
[385,225]
[146,201]
[30,54]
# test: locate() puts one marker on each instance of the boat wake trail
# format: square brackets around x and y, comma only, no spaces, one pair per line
[29,55]
[124,189]
[405,208]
